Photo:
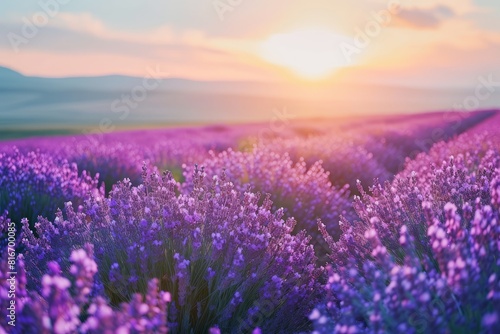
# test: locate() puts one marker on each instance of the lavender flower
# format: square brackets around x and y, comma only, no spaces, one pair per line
[36,184]
[216,250]
[304,193]
[61,306]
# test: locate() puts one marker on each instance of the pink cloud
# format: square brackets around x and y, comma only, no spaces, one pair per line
[423,18]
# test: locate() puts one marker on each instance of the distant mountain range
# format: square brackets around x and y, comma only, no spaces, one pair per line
[85,102]
[14,80]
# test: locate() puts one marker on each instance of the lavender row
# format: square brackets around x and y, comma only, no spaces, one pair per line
[425,255]
[374,150]
[226,260]
[304,192]
[37,184]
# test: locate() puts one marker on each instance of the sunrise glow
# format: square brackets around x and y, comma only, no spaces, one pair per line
[309,53]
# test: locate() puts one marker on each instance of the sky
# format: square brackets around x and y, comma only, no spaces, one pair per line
[407,42]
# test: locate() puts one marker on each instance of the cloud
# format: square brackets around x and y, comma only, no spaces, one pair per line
[60,48]
[423,18]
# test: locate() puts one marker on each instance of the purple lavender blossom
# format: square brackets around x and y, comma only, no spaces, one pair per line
[149,231]
[36,184]
[62,304]
[304,193]
[424,258]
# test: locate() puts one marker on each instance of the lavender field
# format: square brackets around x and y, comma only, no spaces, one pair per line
[352,225]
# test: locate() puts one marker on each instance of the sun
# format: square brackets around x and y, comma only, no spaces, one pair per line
[310,53]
